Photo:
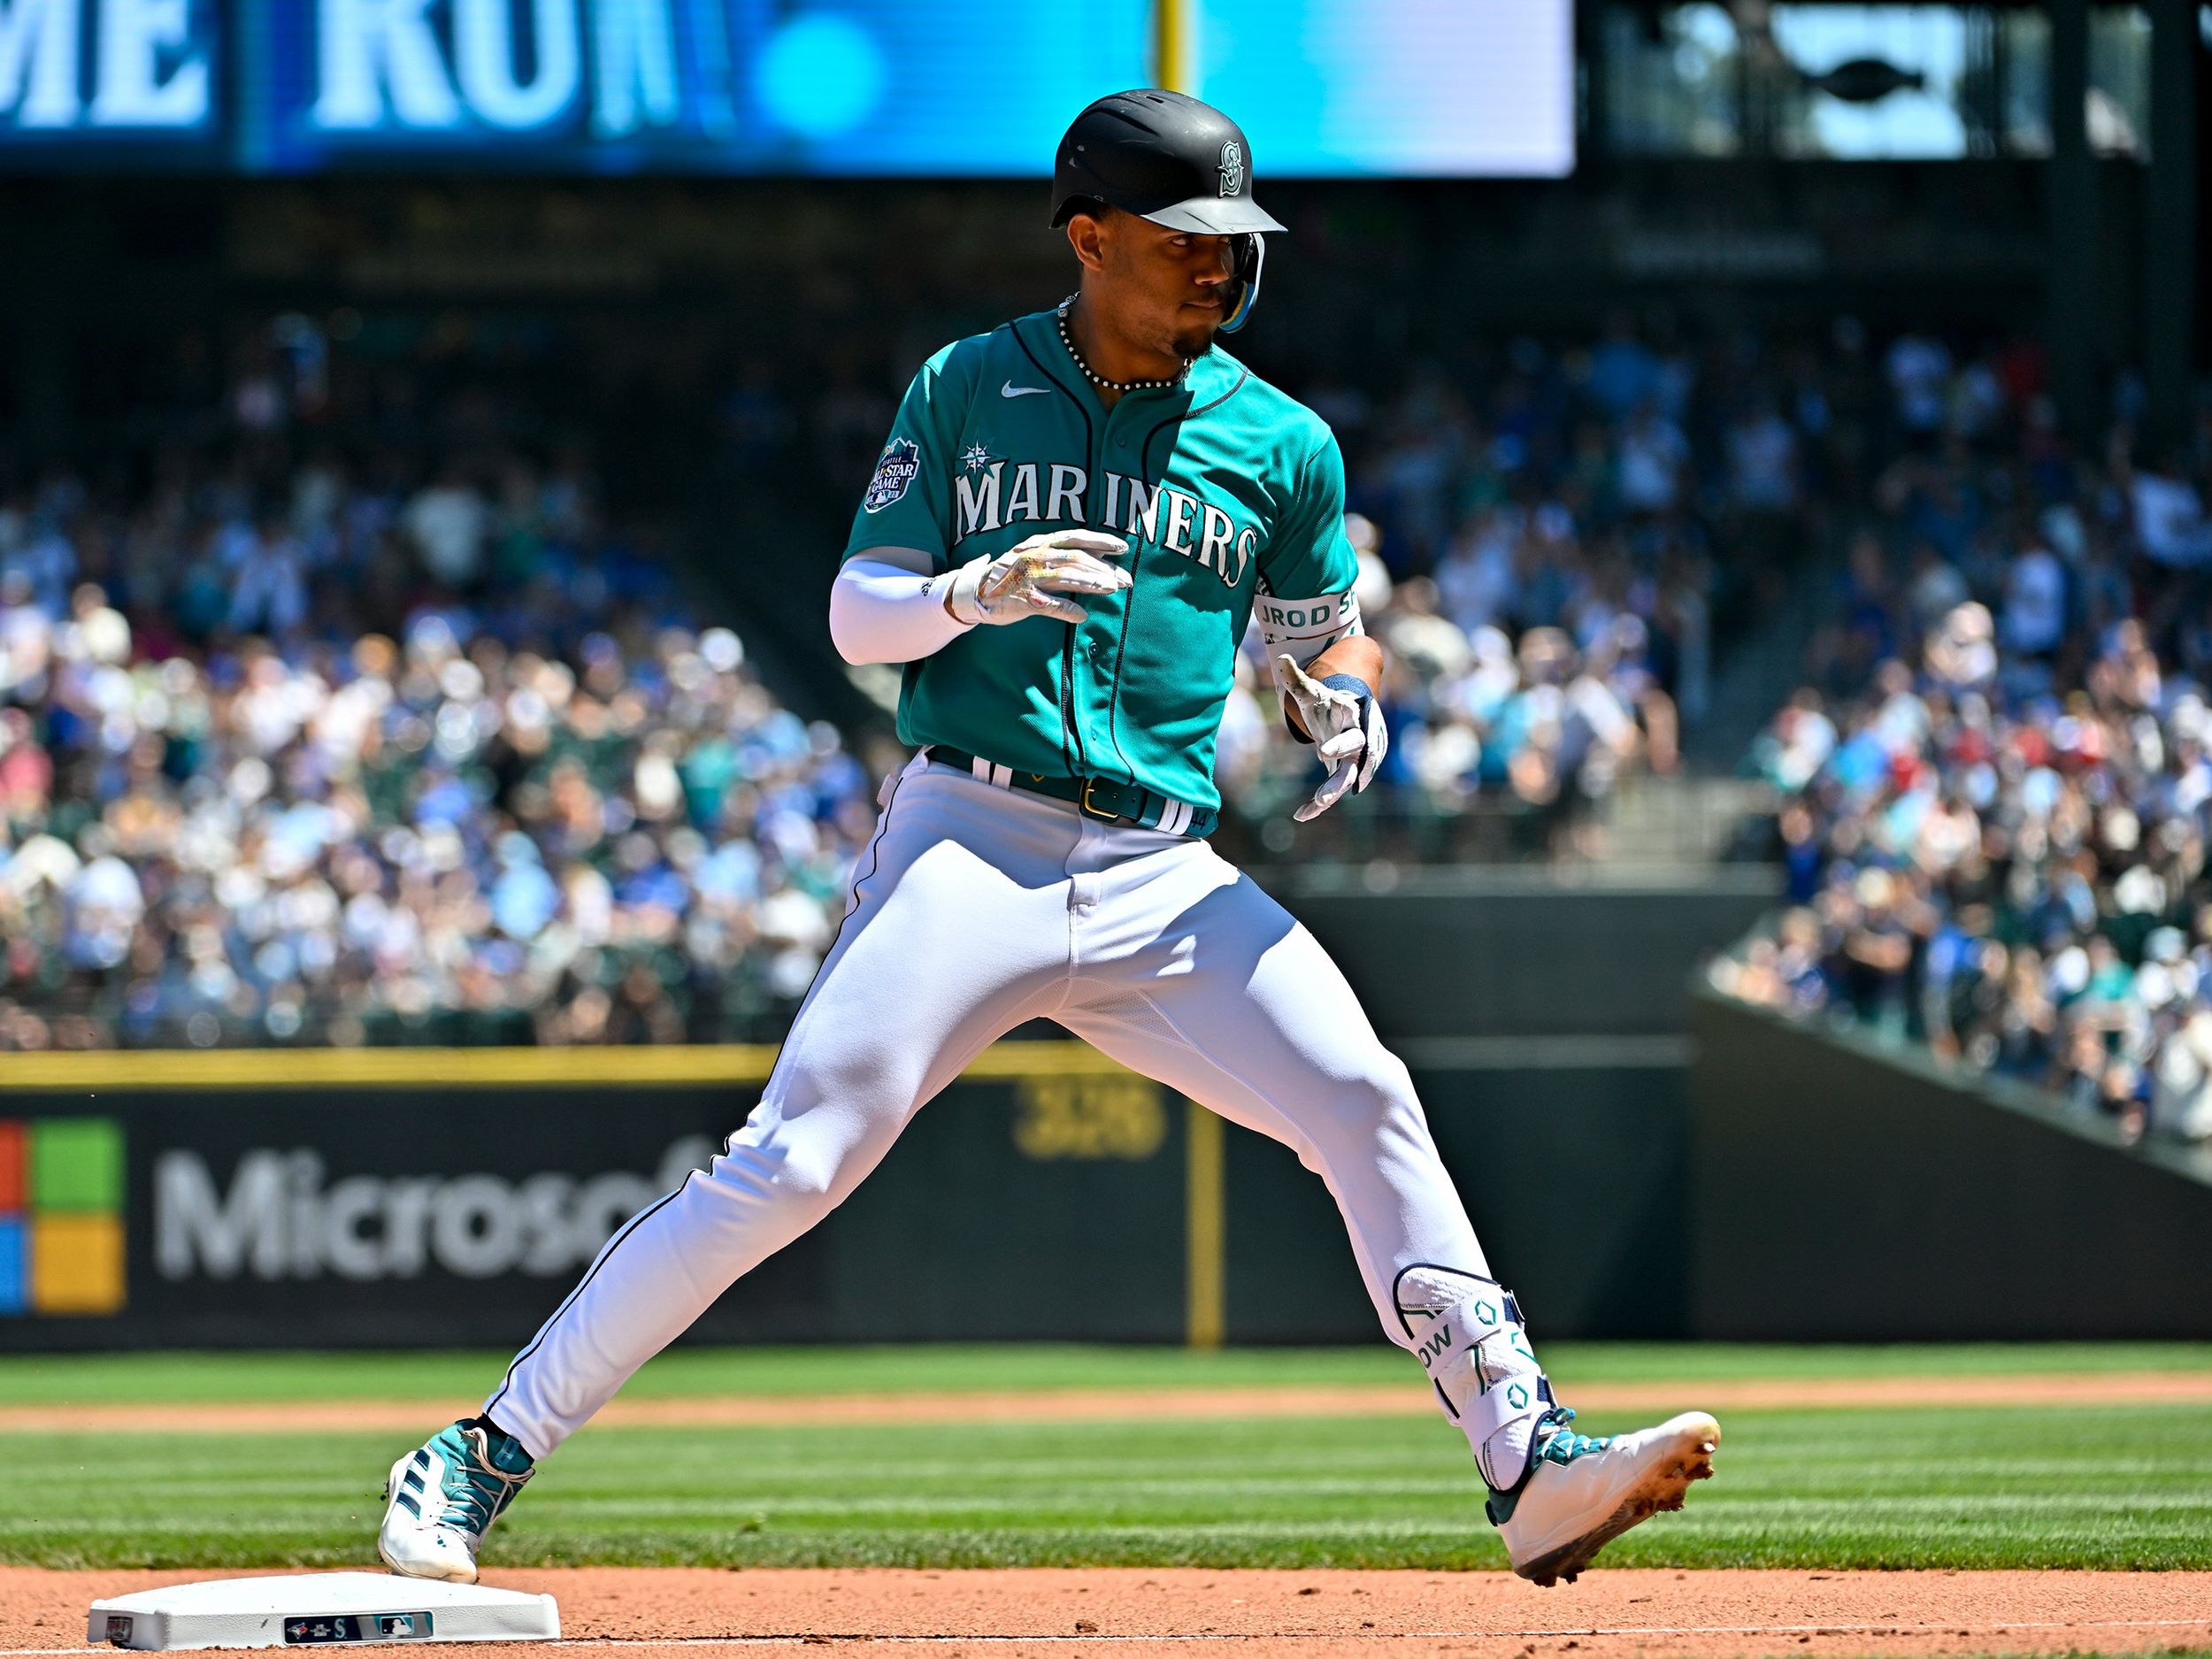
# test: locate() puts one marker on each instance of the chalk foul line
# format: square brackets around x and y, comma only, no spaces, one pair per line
[1824,1628]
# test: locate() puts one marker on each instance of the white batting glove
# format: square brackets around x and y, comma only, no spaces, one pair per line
[1028,578]
[1346,728]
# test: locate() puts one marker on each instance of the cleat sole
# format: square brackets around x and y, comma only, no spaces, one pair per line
[1662,1488]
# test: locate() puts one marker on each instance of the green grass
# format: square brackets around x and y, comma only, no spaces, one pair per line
[56,1379]
[2025,1486]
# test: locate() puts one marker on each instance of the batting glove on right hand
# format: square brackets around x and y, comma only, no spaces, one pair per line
[1028,578]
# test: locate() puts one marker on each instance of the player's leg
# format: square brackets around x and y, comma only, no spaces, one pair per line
[1195,976]
[1205,983]
[893,1016]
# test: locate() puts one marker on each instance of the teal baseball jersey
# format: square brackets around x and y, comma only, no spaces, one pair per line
[1225,488]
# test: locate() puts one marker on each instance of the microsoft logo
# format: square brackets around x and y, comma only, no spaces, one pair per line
[61,1216]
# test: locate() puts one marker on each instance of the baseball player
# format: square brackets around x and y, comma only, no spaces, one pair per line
[1075,517]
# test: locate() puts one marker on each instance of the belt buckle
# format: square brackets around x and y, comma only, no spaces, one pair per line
[1083,802]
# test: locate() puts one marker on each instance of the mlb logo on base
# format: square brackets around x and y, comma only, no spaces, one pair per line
[61,1216]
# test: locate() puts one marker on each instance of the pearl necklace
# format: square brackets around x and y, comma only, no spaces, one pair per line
[1095,377]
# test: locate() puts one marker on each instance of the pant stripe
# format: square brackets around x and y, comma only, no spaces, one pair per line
[538,1341]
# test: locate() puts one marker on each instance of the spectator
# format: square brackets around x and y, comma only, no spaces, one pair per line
[448,522]
[1654,456]
[1762,461]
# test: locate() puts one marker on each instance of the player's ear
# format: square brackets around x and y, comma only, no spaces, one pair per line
[1086,235]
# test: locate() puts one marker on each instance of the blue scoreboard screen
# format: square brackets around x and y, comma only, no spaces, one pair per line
[941,88]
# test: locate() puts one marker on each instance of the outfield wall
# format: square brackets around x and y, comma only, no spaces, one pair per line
[414,1197]
[1480,951]
[1808,1186]
[1846,1190]
[421,1198]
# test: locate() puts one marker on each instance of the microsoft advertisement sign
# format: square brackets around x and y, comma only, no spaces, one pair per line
[385,1200]
[275,1215]
[274,1218]
[61,1218]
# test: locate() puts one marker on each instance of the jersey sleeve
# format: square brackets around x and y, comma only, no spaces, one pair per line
[908,501]
[1308,557]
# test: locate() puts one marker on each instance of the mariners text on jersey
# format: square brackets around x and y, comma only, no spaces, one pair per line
[1225,488]
[1214,540]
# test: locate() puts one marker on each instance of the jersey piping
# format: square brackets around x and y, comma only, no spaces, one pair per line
[1129,606]
[1069,727]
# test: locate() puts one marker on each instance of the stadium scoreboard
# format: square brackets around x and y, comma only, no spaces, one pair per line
[936,87]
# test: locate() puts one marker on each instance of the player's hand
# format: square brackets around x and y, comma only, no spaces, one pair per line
[1031,578]
[1346,728]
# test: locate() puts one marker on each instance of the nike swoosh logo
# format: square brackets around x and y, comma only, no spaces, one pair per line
[1012,390]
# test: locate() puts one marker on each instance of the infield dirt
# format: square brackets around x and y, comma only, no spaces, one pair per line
[1260,1614]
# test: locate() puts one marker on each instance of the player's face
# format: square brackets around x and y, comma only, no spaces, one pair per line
[1167,290]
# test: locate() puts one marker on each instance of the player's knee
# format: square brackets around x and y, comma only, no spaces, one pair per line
[869,1081]
[811,1183]
[1374,1100]
[800,1161]
[1384,1087]
[781,1177]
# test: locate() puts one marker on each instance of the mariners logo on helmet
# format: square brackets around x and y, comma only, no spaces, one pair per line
[1232,168]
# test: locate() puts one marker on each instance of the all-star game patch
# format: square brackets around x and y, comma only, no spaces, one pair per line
[893,473]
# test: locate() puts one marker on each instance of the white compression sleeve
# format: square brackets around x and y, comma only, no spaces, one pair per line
[880,613]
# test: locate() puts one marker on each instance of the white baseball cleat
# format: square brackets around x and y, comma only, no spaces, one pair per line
[1556,1497]
[440,1498]
[1581,1494]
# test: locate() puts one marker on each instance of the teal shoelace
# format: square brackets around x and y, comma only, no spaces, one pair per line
[1560,1444]
[1555,1443]
[481,1488]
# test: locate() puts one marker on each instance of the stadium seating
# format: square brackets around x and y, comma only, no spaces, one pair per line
[1993,786]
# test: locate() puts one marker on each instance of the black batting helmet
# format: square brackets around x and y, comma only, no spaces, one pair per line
[1167,158]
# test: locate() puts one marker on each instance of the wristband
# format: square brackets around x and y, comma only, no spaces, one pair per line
[1355,685]
[1351,683]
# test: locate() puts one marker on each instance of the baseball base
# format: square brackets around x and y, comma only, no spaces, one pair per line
[316,1610]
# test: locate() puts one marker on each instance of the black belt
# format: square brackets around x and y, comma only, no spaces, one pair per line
[1100,798]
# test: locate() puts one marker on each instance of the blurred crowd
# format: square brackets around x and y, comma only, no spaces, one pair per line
[402,740]
[1501,740]
[1557,539]
[1996,790]
[1565,536]
[352,694]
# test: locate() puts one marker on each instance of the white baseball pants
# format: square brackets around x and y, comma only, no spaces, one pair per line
[975,909]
